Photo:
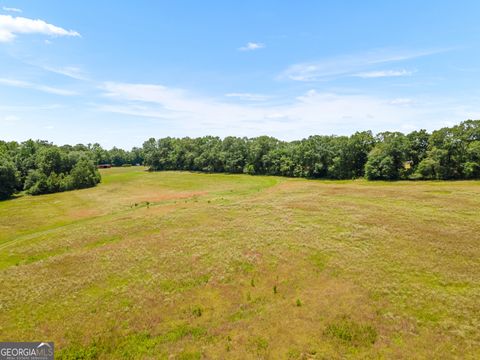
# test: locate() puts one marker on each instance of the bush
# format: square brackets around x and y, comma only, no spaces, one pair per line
[427,169]
[380,166]
[471,170]
[8,178]
[38,183]
[249,169]
[83,175]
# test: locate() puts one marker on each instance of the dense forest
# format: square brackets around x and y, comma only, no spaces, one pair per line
[39,167]
[448,153]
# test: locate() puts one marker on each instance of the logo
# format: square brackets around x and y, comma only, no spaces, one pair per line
[26,350]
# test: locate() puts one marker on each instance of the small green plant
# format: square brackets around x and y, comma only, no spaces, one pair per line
[299,303]
[197,311]
[229,340]
[252,282]
[275,289]
[352,332]
[260,344]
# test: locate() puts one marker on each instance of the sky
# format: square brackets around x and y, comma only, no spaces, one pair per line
[120,72]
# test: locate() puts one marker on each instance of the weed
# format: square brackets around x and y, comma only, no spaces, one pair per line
[197,311]
[260,344]
[351,332]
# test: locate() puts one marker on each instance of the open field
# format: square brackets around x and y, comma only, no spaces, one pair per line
[149,265]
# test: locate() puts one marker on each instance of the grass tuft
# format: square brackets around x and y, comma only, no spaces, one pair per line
[351,332]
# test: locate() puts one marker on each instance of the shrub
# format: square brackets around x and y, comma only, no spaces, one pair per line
[249,169]
[8,178]
[36,183]
[84,174]
[380,166]
[427,169]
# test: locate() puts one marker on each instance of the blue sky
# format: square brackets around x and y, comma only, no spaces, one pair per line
[119,72]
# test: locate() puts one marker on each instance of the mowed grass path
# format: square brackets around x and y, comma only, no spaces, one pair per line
[192,266]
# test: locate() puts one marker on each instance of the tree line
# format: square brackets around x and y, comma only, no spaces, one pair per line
[39,167]
[448,153]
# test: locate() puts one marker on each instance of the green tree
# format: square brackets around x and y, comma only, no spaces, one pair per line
[83,175]
[8,178]
[386,160]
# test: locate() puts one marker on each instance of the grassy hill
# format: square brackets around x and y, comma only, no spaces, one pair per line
[148,265]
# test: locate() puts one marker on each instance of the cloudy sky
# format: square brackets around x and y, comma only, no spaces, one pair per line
[119,72]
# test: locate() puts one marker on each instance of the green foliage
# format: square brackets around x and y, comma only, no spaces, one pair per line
[249,169]
[39,167]
[84,174]
[427,169]
[386,160]
[453,153]
[380,166]
[8,178]
[387,156]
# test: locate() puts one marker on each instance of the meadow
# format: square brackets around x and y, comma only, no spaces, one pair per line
[182,265]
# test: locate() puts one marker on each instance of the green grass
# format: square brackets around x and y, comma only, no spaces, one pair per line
[244,267]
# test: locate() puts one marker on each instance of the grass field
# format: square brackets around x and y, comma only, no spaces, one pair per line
[150,265]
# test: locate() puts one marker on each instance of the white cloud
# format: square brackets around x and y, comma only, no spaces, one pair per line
[402,101]
[311,113]
[248,96]
[164,102]
[383,73]
[349,65]
[26,108]
[11,9]
[10,119]
[69,71]
[251,46]
[10,26]
[39,87]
